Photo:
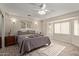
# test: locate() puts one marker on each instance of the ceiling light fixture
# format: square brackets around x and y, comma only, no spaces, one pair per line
[43,9]
[42,12]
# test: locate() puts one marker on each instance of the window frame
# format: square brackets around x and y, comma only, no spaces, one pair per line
[61,32]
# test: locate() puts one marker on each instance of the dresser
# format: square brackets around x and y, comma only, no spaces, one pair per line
[10,40]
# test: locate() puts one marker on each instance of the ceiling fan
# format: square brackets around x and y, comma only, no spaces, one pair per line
[42,9]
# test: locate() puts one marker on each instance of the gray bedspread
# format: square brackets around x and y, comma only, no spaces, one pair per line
[27,44]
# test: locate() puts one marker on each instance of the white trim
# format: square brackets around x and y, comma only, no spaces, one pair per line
[3,29]
[64,19]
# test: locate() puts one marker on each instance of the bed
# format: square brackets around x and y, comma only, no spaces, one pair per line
[29,40]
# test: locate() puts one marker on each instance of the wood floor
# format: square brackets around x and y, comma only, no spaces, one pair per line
[69,50]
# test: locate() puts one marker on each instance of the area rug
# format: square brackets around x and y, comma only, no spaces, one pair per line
[52,50]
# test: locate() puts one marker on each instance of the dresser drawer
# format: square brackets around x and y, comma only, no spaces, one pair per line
[10,40]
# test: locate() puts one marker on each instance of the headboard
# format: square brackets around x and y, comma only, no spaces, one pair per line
[26,32]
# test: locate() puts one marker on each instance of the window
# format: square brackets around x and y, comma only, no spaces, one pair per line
[65,28]
[76,27]
[62,28]
[57,28]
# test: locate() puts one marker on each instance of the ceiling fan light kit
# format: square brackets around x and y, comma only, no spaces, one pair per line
[43,9]
[42,12]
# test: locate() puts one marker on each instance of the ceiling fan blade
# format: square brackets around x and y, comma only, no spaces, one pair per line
[43,6]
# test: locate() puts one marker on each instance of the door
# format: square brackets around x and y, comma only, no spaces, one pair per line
[50,30]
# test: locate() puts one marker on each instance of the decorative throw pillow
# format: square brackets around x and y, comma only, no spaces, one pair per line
[31,36]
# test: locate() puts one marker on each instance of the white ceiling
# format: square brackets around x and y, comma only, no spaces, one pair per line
[24,9]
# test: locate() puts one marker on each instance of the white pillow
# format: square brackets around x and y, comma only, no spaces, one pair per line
[22,30]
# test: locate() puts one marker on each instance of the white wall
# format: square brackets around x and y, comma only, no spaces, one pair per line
[9,25]
[37,27]
[70,38]
[17,26]
[63,37]
[64,16]
[44,27]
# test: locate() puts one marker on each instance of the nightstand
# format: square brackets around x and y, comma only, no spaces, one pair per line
[10,40]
